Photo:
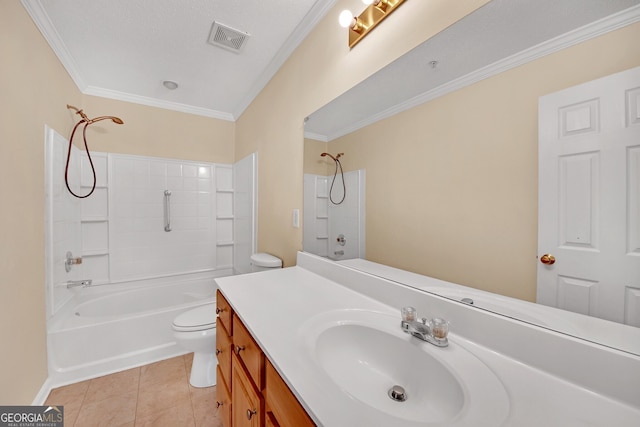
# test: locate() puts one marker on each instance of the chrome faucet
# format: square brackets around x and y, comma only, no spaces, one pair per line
[77,283]
[434,331]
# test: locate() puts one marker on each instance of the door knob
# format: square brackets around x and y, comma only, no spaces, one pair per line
[547,259]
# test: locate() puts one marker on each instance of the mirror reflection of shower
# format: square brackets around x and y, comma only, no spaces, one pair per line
[336,160]
[334,223]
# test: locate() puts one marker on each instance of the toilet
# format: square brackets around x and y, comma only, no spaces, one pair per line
[195,330]
[263,261]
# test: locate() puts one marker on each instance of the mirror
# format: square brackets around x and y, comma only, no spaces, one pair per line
[447,138]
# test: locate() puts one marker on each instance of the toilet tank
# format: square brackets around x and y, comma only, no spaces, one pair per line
[264,261]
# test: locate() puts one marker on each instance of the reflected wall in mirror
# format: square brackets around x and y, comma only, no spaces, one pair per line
[451,151]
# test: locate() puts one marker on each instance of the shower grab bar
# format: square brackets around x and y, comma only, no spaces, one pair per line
[167,210]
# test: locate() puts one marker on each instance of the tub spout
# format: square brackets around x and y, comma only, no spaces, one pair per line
[77,283]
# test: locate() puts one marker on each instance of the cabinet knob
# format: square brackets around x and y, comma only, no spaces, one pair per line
[251,413]
[219,310]
[218,351]
[219,404]
[239,349]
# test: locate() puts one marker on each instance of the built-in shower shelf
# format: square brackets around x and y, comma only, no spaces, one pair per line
[322,216]
[322,237]
[322,196]
[95,219]
[228,243]
[225,190]
[224,217]
[91,186]
[95,252]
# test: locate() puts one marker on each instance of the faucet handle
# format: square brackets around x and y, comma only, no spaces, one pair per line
[439,328]
[409,314]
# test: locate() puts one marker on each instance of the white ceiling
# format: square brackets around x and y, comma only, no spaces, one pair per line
[498,36]
[125,49]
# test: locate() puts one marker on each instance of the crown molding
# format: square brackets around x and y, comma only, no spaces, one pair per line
[153,102]
[48,31]
[579,35]
[316,136]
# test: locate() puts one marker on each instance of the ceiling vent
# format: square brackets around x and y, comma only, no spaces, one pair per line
[227,37]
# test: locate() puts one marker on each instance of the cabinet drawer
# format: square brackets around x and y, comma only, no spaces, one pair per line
[223,352]
[223,398]
[282,403]
[224,312]
[248,405]
[248,352]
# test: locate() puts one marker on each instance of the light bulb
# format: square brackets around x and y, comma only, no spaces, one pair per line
[346,19]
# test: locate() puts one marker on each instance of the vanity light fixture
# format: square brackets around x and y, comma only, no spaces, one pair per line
[359,26]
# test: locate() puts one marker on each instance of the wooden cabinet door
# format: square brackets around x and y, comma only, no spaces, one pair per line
[282,404]
[223,398]
[247,409]
[223,352]
[248,352]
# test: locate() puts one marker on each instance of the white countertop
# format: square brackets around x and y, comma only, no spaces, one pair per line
[275,305]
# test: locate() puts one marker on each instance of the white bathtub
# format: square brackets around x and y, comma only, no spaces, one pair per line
[105,329]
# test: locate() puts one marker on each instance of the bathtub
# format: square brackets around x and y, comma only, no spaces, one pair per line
[109,328]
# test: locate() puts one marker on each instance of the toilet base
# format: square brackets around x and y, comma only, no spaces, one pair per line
[203,370]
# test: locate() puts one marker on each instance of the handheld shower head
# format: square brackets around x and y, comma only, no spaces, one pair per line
[115,120]
[327,154]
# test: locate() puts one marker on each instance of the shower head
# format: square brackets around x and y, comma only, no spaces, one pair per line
[115,120]
[335,159]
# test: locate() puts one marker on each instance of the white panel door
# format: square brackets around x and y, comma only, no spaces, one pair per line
[589,198]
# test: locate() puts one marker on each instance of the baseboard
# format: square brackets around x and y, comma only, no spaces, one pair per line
[41,397]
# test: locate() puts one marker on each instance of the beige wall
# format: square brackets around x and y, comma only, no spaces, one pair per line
[320,69]
[34,88]
[457,177]
[313,163]
[157,132]
[34,91]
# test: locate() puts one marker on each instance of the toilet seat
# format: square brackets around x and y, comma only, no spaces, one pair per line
[197,319]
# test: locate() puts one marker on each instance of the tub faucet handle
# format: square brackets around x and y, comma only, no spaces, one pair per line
[70,261]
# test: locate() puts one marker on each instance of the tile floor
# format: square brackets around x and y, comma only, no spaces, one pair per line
[155,395]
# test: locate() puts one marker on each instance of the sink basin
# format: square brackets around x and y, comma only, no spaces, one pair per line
[365,354]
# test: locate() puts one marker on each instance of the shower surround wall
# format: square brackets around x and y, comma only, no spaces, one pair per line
[119,230]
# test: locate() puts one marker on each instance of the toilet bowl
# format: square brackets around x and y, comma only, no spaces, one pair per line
[263,261]
[195,330]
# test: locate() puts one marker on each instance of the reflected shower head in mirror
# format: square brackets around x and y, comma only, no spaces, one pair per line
[344,187]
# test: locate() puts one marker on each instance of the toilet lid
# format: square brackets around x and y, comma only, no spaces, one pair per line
[196,319]
[263,259]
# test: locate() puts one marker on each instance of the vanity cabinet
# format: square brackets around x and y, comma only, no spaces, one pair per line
[250,392]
